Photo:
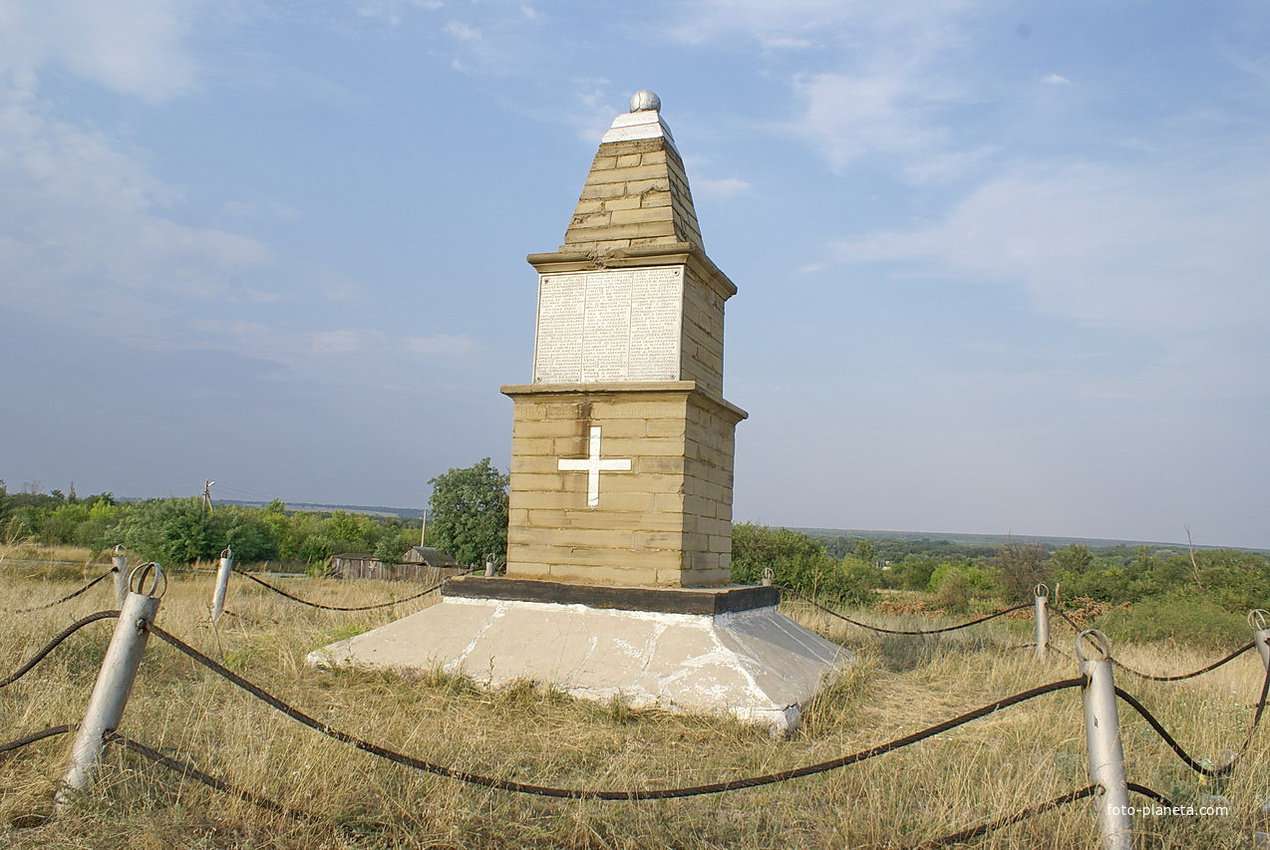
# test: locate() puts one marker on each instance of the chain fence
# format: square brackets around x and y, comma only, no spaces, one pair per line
[67,598]
[186,769]
[377,605]
[54,643]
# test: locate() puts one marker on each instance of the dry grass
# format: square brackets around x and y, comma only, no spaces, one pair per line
[992,767]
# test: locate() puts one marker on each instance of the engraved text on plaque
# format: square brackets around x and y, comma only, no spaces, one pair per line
[611,325]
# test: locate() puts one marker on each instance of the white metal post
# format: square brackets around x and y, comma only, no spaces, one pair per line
[1102,739]
[222,583]
[1040,599]
[1260,634]
[120,560]
[489,564]
[114,680]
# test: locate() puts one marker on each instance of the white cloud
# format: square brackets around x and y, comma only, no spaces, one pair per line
[391,11]
[462,31]
[128,46]
[876,77]
[83,221]
[1055,79]
[335,342]
[847,116]
[441,345]
[88,236]
[258,210]
[805,23]
[728,187]
[1178,260]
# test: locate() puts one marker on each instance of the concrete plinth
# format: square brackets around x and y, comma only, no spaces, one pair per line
[754,664]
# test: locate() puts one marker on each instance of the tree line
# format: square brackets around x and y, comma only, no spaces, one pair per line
[1201,595]
[467,519]
[1172,591]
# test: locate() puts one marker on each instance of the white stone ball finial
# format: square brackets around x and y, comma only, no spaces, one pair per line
[645,101]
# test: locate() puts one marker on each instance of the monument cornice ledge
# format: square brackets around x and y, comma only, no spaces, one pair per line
[729,409]
[658,254]
[667,599]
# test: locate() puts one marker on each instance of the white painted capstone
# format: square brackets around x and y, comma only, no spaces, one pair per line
[646,124]
[758,666]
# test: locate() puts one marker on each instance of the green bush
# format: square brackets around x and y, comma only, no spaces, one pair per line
[1180,617]
[797,562]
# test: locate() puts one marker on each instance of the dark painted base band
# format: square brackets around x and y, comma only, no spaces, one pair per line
[661,600]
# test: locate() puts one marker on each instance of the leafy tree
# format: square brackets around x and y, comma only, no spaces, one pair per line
[467,513]
[956,583]
[1021,567]
[246,532]
[170,531]
[1075,559]
[912,573]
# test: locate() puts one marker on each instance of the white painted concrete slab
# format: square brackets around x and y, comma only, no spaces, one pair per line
[757,665]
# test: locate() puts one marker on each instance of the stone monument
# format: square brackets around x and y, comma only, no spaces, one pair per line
[620,531]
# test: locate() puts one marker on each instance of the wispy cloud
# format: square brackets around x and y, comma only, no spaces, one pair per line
[727,187]
[847,116]
[132,47]
[85,220]
[1176,260]
[336,342]
[441,345]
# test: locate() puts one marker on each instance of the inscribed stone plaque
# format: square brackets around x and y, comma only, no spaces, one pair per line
[611,325]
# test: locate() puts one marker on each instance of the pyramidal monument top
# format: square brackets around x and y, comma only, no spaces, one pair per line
[636,193]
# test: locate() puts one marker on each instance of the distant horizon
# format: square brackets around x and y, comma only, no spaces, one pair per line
[813,531]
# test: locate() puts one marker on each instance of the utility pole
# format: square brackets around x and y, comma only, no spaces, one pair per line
[423,528]
[207,498]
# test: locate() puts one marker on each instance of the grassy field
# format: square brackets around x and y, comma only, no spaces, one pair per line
[992,767]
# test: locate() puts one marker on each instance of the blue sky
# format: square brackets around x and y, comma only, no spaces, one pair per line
[1002,265]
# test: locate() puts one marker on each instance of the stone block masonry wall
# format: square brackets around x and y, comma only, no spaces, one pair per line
[636,193]
[665,522]
[709,449]
[701,347]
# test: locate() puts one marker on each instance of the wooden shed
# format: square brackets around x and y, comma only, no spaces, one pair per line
[427,556]
[421,564]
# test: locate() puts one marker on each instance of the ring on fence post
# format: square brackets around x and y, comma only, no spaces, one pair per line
[114,680]
[222,582]
[120,569]
[1040,598]
[148,579]
[489,564]
[1261,633]
[1102,740]
[769,575]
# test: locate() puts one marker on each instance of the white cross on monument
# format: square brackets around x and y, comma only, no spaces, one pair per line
[592,466]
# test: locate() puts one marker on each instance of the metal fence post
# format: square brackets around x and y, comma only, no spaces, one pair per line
[1260,633]
[1040,599]
[1102,739]
[120,560]
[222,582]
[114,681]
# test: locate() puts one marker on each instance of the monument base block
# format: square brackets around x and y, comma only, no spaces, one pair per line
[715,651]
